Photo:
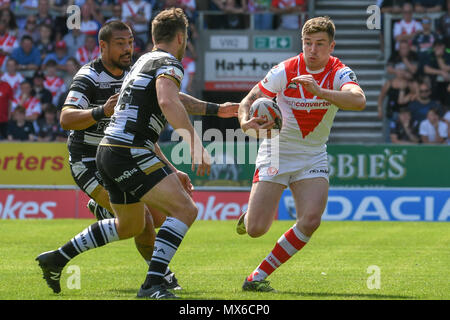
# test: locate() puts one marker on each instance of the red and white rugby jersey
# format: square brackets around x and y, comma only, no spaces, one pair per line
[14,81]
[7,44]
[56,86]
[307,119]
[32,106]
[84,56]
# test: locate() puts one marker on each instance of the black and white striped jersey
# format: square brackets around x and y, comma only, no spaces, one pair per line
[91,87]
[138,119]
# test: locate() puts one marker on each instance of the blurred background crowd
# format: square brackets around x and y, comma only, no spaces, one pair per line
[39,57]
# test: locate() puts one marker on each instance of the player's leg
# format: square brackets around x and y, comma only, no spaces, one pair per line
[262,207]
[310,196]
[169,197]
[158,219]
[310,191]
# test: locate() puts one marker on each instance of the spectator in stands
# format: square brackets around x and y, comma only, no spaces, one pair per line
[392,90]
[13,77]
[391,6]
[423,41]
[437,66]
[48,128]
[24,6]
[5,4]
[27,55]
[45,44]
[30,29]
[405,129]
[408,94]
[432,130]
[189,7]
[89,51]
[407,28]
[7,44]
[27,100]
[20,129]
[74,40]
[290,11]
[137,13]
[43,94]
[446,118]
[72,67]
[116,13]
[10,19]
[217,21]
[43,16]
[420,107]
[443,25]
[89,26]
[262,17]
[59,56]
[52,82]
[428,6]
[404,63]
[234,11]
[6,97]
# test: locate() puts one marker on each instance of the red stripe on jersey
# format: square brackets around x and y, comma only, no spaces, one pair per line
[266,267]
[280,253]
[256,176]
[293,240]
[272,113]
[265,91]
[308,121]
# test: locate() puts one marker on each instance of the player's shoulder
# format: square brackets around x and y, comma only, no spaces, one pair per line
[90,72]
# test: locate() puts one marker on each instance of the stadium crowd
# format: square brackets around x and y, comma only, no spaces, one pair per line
[39,57]
[418,88]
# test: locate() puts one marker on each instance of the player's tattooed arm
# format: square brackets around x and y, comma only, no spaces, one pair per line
[195,106]
[245,104]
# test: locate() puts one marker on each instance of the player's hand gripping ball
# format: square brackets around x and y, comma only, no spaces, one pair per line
[269,111]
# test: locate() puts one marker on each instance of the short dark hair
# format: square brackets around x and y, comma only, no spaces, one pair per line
[107,29]
[167,23]
[51,63]
[26,37]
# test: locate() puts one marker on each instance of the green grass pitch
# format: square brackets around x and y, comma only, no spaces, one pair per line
[413,260]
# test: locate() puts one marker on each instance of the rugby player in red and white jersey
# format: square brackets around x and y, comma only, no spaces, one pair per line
[309,89]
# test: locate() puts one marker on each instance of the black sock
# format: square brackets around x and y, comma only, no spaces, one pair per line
[167,241]
[94,236]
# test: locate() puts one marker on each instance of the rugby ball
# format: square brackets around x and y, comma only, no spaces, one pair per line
[269,110]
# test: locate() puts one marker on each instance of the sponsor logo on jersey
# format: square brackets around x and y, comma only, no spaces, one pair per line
[304,104]
[104,85]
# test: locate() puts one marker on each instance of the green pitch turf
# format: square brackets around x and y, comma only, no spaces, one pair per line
[212,262]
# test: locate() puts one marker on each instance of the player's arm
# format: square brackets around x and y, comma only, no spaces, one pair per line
[167,92]
[350,97]
[76,118]
[256,123]
[195,106]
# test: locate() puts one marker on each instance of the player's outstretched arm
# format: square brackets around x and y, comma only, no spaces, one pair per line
[175,113]
[79,119]
[195,106]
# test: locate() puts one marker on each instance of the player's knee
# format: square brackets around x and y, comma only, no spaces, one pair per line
[310,224]
[256,230]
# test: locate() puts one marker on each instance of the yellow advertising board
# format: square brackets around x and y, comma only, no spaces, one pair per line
[44,164]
